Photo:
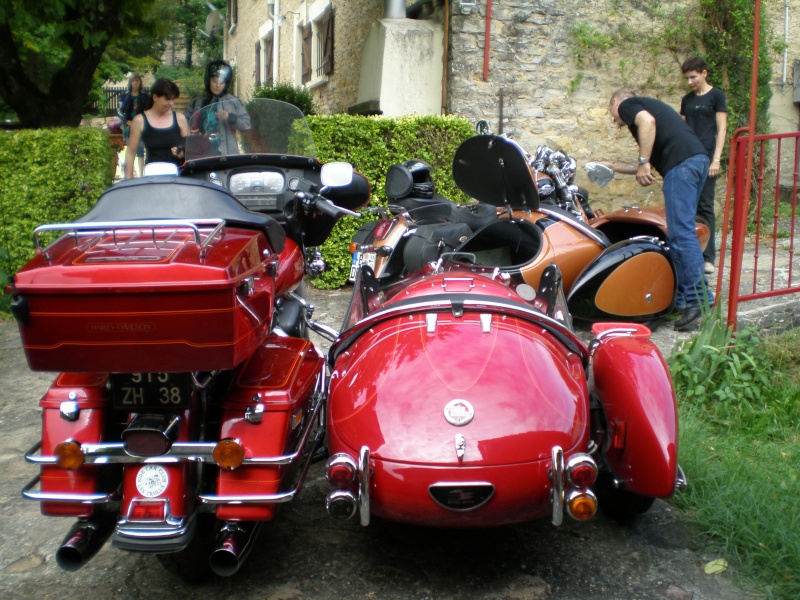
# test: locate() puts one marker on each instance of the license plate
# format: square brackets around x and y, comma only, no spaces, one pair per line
[361,258]
[149,391]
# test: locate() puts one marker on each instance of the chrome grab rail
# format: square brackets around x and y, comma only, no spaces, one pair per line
[151,224]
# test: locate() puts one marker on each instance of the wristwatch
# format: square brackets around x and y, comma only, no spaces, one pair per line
[643,161]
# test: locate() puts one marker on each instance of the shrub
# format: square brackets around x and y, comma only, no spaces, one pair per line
[63,172]
[286,92]
[371,144]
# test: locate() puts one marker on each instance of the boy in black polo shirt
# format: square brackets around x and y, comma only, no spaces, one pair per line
[705,111]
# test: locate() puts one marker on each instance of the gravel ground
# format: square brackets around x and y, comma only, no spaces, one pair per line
[304,554]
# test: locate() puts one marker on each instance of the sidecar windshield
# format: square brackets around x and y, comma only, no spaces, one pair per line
[262,126]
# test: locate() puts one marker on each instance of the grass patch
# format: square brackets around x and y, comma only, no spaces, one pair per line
[739,405]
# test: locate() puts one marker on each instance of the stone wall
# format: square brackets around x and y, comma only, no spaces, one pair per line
[547,98]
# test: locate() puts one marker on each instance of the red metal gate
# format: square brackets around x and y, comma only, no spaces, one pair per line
[763,218]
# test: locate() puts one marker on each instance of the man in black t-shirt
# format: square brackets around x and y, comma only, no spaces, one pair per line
[667,143]
[705,110]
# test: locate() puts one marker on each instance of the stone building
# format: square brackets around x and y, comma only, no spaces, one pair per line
[530,77]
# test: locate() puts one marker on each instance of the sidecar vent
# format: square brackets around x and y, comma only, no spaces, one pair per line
[461,496]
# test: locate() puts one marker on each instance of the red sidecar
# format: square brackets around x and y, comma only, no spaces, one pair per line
[456,402]
[461,396]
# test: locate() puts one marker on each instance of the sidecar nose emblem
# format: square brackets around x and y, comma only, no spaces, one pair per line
[458,412]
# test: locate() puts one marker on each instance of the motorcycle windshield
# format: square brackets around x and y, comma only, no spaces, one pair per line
[262,126]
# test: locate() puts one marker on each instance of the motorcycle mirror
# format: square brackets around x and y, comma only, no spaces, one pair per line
[599,174]
[336,174]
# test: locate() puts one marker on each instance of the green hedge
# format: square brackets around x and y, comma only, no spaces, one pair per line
[56,175]
[47,176]
[371,144]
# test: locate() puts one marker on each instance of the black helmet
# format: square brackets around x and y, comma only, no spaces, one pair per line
[221,69]
[421,174]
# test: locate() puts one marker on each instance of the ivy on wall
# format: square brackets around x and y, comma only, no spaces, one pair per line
[721,31]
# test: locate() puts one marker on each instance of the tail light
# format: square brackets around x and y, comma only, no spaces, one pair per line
[581,470]
[341,504]
[383,228]
[150,435]
[147,510]
[340,470]
[228,454]
[69,455]
[581,504]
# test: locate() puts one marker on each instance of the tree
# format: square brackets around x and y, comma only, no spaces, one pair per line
[50,51]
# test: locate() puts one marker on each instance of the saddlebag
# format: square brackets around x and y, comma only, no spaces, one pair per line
[268,411]
[632,280]
[74,408]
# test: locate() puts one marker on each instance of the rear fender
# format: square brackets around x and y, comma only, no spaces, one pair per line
[633,280]
[634,388]
[632,221]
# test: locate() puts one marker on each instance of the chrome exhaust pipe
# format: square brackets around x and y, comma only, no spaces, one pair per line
[234,542]
[83,541]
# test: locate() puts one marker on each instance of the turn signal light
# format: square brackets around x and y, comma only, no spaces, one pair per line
[69,455]
[354,247]
[581,505]
[340,470]
[581,470]
[228,454]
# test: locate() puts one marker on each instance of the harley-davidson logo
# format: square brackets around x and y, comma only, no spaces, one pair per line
[121,327]
[458,412]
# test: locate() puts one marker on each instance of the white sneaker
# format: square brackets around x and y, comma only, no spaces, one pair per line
[709,268]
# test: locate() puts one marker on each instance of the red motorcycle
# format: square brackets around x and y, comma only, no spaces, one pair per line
[460,395]
[189,401]
[614,266]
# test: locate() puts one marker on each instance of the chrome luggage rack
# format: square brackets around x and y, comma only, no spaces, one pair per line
[112,227]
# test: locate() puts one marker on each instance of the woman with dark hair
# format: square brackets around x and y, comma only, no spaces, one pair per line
[221,122]
[131,105]
[160,128]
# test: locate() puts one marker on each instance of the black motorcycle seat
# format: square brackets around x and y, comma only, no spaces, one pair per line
[168,197]
[428,242]
[413,203]
[474,215]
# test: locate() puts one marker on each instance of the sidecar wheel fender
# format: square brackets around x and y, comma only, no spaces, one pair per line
[633,279]
[634,388]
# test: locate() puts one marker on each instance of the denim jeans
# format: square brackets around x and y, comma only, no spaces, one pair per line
[682,187]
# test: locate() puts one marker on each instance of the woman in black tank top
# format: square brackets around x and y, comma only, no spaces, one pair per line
[159,127]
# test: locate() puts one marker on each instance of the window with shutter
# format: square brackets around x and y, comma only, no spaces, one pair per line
[326,41]
[306,53]
[258,63]
[268,59]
